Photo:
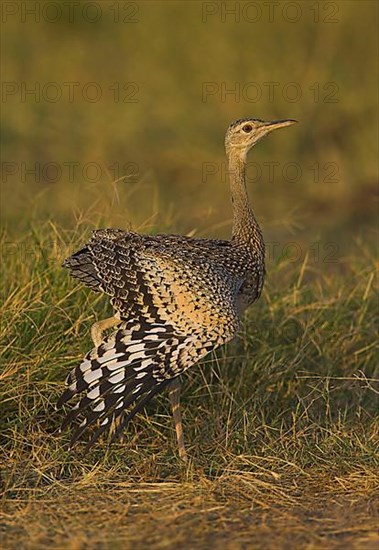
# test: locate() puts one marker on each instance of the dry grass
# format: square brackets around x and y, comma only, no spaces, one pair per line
[237,510]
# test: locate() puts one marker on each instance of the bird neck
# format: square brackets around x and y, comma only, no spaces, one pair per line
[245,226]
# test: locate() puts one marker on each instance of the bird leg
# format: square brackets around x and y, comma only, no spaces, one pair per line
[174,394]
[98,328]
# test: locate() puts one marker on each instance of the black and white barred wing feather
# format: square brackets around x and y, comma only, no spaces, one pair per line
[127,370]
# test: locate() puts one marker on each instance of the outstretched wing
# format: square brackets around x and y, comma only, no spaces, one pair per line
[126,371]
[176,306]
[163,276]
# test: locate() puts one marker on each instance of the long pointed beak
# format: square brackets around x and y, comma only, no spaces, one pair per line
[276,124]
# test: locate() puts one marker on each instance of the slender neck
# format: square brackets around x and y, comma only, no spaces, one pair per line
[245,226]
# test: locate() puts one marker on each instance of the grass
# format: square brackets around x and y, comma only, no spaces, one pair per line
[281,425]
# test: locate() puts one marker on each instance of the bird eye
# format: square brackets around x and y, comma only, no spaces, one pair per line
[247,128]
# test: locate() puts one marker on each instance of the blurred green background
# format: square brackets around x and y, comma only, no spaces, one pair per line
[142,93]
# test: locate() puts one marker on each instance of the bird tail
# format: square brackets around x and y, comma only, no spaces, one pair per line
[125,372]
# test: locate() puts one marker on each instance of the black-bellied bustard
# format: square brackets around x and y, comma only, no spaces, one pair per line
[175,299]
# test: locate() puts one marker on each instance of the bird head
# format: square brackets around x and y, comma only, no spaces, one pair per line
[245,133]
